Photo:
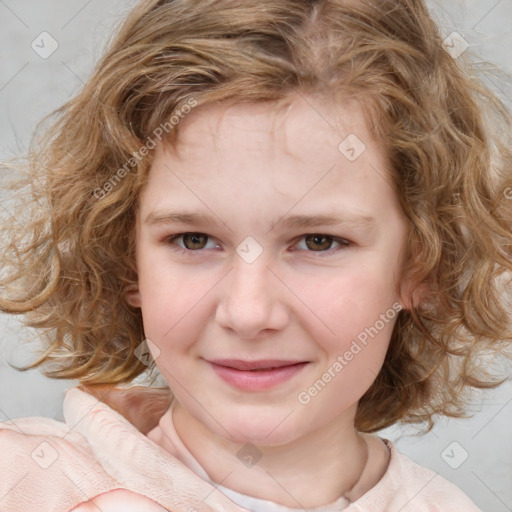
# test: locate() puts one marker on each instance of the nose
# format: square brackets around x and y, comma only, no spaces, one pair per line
[252,301]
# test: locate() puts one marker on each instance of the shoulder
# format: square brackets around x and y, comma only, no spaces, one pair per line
[45,465]
[409,487]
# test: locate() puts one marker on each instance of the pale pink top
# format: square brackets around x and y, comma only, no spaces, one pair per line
[47,465]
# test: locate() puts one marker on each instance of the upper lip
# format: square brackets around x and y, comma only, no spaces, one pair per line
[239,364]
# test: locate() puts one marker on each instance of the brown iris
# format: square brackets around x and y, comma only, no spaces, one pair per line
[194,240]
[318,242]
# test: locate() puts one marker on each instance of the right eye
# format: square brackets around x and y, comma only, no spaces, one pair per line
[191,241]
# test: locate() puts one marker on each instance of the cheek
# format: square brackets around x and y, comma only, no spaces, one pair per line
[360,312]
[168,293]
[343,306]
[175,309]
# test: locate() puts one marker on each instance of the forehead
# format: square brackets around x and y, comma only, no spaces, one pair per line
[292,127]
[254,162]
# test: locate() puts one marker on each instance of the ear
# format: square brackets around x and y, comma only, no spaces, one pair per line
[414,294]
[132,295]
[415,286]
[413,298]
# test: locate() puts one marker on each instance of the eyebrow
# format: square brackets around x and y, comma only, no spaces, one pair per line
[292,221]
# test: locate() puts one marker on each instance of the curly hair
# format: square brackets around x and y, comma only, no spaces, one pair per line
[68,264]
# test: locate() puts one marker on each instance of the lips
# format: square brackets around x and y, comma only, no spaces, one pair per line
[262,364]
[256,376]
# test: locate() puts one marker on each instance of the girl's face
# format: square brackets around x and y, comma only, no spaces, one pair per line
[268,244]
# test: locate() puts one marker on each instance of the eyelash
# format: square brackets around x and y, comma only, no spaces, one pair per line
[344,243]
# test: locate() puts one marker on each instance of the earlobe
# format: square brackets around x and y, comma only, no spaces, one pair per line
[132,296]
[415,297]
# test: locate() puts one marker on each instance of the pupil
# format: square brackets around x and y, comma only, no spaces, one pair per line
[193,240]
[317,241]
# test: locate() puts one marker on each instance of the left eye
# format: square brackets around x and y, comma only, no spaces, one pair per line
[315,242]
[192,241]
[321,243]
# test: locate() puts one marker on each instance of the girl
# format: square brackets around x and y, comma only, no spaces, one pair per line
[296,211]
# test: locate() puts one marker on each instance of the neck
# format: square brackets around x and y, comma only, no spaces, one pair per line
[334,458]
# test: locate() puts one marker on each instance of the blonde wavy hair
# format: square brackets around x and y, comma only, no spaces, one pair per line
[69,259]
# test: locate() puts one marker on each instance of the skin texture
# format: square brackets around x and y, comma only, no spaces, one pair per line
[250,169]
[120,500]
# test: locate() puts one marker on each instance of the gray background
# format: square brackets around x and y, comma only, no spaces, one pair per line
[32,86]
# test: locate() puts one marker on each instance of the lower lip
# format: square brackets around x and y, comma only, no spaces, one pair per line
[257,380]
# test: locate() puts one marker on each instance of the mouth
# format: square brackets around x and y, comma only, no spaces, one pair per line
[263,364]
[256,375]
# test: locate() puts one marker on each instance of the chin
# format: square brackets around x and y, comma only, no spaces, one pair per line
[259,429]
